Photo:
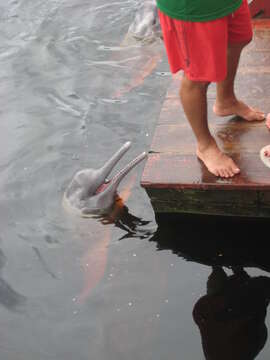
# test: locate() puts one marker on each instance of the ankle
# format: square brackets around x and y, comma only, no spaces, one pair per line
[226,101]
[204,145]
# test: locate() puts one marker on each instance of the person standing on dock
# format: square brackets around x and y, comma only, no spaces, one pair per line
[205,40]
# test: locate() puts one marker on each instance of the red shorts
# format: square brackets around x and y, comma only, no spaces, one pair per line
[200,48]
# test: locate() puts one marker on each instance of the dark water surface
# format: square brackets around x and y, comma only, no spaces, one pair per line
[102,289]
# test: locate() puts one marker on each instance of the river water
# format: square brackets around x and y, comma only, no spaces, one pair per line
[108,288]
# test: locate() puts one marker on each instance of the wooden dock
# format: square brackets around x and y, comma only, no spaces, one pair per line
[177,182]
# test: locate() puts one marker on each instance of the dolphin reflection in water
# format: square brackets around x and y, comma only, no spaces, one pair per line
[97,255]
[91,192]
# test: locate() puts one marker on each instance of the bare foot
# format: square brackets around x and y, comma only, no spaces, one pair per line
[240,109]
[216,161]
[268,121]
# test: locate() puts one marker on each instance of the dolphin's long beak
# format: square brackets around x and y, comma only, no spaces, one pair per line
[110,164]
[115,181]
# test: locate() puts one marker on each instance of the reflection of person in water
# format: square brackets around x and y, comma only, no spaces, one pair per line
[231,315]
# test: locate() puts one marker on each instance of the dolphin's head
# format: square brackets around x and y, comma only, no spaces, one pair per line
[145,28]
[91,191]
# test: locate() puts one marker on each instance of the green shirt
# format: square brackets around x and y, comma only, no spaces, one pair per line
[198,10]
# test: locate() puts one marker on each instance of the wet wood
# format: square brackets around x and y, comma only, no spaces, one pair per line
[177,171]
[177,181]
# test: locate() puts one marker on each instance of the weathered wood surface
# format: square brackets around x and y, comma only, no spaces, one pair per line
[214,202]
[177,181]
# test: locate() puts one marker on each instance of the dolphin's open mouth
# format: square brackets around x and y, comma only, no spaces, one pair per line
[92,191]
[102,187]
[120,174]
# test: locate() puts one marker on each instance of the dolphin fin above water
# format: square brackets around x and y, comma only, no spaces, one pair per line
[90,191]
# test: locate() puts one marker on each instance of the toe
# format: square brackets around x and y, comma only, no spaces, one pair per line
[222,173]
[231,172]
[255,116]
[235,169]
[218,173]
[256,110]
[260,116]
[226,173]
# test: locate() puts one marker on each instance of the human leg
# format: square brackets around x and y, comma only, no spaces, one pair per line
[195,92]
[239,35]
[226,102]
[216,281]
[199,49]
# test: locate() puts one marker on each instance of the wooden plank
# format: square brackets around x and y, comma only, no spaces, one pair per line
[251,83]
[173,114]
[214,202]
[178,171]
[261,24]
[232,137]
